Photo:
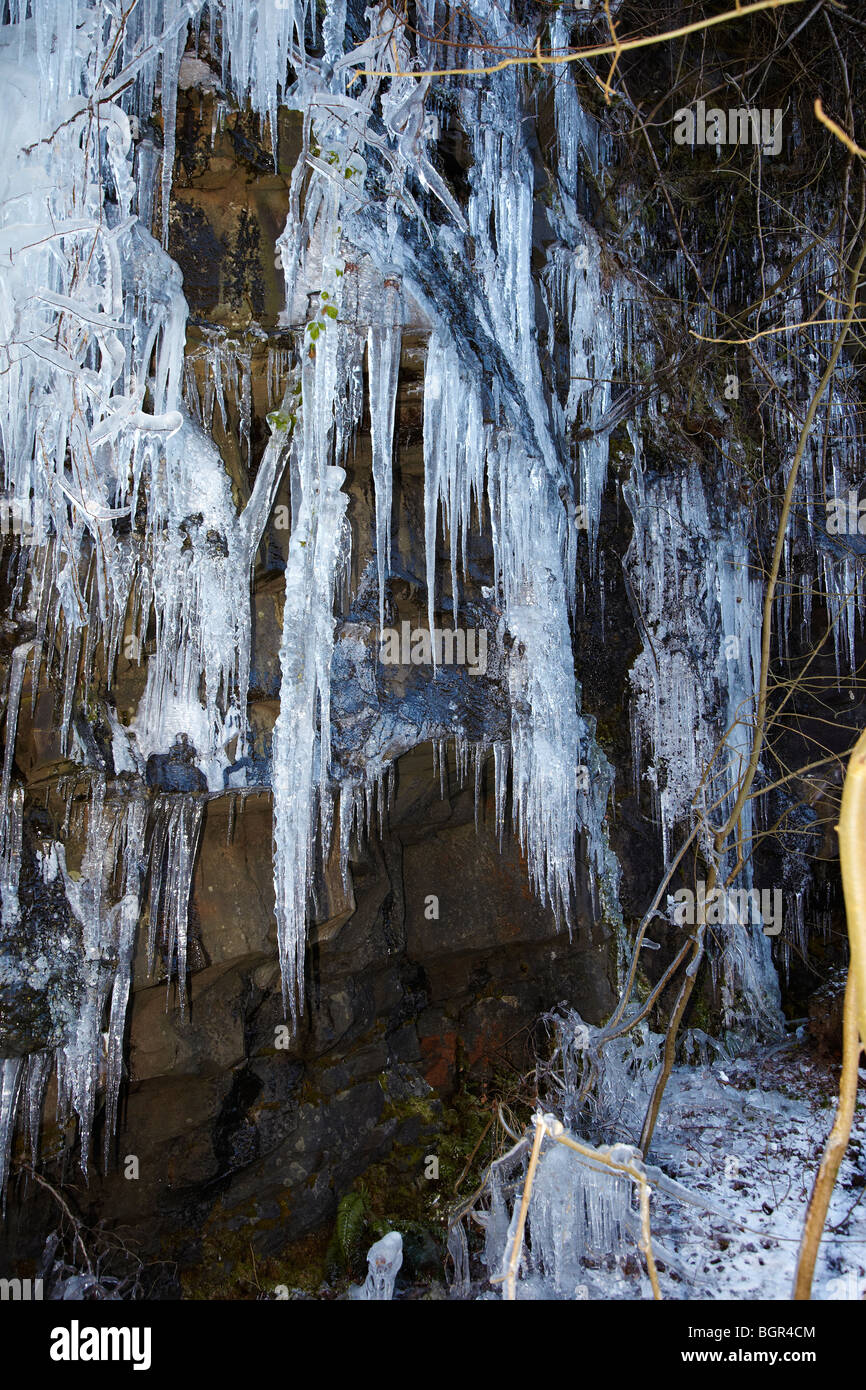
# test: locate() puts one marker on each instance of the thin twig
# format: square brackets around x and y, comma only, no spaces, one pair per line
[536,59]
[514,1258]
[837,130]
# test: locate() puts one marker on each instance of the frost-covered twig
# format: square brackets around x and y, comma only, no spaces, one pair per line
[67,1212]
[599,1159]
[517,1243]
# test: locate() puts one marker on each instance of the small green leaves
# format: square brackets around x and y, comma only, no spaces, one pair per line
[330,310]
[280,422]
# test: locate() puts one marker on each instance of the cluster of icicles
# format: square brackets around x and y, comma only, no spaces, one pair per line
[130,511]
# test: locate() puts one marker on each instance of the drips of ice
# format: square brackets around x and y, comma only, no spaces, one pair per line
[113,852]
[177,822]
[383,363]
[700,606]
[576,1211]
[10,1076]
[383,1265]
[10,846]
[603,1080]
[318,555]
[500,395]
[197,583]
[301,734]
[524,478]
[579,1218]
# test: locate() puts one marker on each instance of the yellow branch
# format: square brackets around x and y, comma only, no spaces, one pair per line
[837,130]
[517,1244]
[852,852]
[768,332]
[537,59]
[834,1151]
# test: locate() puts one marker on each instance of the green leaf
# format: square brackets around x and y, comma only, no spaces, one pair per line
[351,1215]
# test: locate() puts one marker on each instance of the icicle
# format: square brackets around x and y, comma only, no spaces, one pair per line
[13,703]
[576,1211]
[11,1070]
[171,57]
[125,915]
[480,755]
[174,845]
[700,603]
[38,1069]
[80,1054]
[302,732]
[348,817]
[383,359]
[501,759]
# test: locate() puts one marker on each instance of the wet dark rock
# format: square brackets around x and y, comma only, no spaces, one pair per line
[175,771]
[826,1009]
[40,953]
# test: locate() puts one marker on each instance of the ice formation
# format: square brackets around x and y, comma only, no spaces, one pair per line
[699,602]
[96,427]
[383,1265]
[515,463]
[94,431]
[105,446]
[579,1216]
[576,1212]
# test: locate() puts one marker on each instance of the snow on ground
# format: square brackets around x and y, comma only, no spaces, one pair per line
[749,1133]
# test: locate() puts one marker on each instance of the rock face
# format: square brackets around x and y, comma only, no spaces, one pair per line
[433,971]
[429,974]
[429,961]
[40,958]
[428,969]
